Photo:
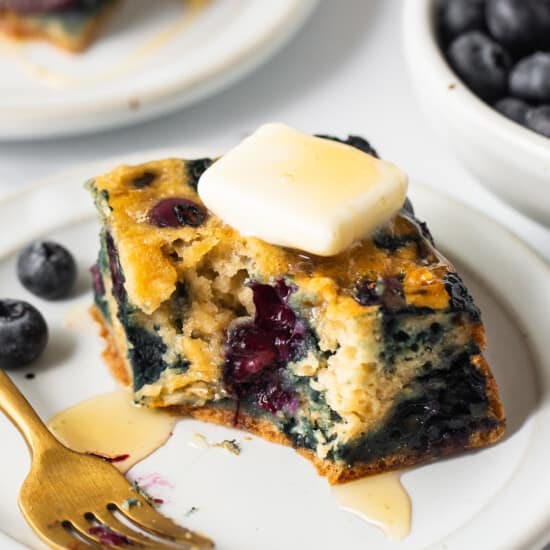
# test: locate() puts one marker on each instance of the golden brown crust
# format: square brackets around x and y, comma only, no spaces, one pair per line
[25,28]
[110,353]
[495,404]
[335,473]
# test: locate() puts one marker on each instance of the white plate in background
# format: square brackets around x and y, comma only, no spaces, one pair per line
[151,58]
[269,497]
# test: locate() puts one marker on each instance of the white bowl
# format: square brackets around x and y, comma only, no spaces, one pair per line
[512,161]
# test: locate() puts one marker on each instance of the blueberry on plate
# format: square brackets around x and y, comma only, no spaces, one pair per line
[530,78]
[23,334]
[47,269]
[481,63]
[520,25]
[455,17]
[512,108]
[538,119]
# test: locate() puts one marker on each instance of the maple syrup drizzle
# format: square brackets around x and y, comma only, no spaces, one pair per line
[380,500]
[112,427]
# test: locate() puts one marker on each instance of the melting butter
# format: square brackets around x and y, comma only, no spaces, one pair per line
[380,500]
[299,191]
[112,426]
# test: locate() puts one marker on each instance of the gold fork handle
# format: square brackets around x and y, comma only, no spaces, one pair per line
[23,416]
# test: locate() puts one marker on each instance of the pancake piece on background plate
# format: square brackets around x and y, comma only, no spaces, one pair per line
[69,24]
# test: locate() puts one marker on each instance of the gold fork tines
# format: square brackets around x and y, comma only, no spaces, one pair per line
[75,501]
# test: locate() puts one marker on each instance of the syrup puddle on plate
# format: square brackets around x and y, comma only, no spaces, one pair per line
[193,8]
[380,500]
[113,427]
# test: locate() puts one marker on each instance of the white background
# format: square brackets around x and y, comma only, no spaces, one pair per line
[344,73]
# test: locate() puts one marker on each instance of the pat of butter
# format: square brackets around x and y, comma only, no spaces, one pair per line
[291,189]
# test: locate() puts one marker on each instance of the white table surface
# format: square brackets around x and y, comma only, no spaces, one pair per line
[344,73]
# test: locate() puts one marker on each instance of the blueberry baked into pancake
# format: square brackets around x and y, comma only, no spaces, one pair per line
[364,354]
[69,24]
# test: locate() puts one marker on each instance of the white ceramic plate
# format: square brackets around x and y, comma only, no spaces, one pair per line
[269,497]
[153,57]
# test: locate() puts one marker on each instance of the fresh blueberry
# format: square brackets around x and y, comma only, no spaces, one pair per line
[512,108]
[530,78]
[176,212]
[455,17]
[47,269]
[520,25]
[23,334]
[538,119]
[481,63]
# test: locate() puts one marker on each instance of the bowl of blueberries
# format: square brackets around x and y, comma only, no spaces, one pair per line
[481,69]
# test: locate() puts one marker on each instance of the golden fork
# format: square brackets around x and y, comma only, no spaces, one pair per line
[75,501]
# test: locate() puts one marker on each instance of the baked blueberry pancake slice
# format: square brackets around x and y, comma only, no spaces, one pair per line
[69,24]
[364,360]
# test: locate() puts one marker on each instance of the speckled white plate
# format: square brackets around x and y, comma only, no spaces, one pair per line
[152,58]
[269,497]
